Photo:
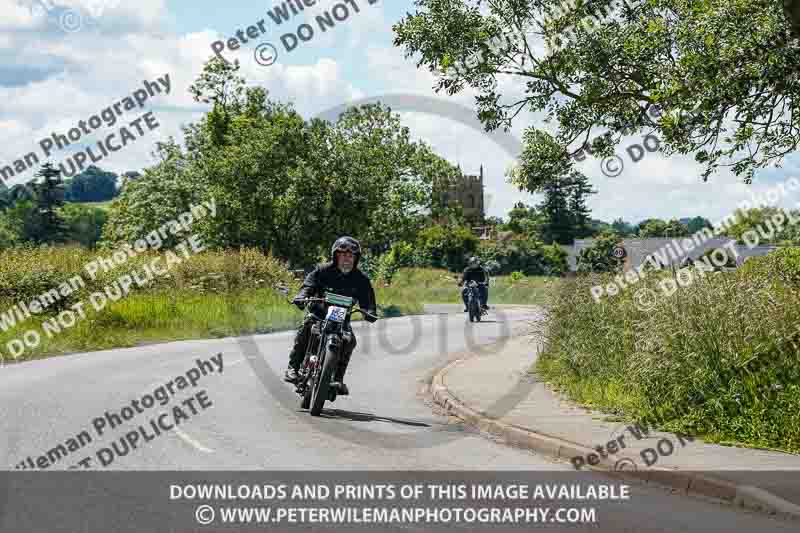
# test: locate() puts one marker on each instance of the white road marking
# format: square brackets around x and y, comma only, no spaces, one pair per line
[239,361]
[186,438]
[189,440]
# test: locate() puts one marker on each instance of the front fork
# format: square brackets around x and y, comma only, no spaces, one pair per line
[317,346]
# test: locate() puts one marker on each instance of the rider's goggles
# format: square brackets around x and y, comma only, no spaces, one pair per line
[347,248]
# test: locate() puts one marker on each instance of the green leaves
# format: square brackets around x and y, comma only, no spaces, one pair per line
[283,184]
[733,59]
[599,257]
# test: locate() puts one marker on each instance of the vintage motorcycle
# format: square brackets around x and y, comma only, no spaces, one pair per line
[325,344]
[474,301]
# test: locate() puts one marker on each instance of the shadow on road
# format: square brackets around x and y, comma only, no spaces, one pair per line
[367,417]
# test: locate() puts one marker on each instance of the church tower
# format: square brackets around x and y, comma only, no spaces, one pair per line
[467,193]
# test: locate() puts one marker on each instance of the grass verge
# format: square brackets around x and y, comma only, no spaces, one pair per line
[719,358]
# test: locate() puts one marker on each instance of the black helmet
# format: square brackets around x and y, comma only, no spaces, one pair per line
[346,243]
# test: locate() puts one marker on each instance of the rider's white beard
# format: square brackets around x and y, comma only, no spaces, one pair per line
[346,269]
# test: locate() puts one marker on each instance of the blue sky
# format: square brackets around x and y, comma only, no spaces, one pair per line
[51,78]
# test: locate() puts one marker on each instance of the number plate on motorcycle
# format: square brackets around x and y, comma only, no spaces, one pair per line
[337,314]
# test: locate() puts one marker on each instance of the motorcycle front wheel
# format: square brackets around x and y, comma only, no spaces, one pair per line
[320,389]
[306,401]
[474,311]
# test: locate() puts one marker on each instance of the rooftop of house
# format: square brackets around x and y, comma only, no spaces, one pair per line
[639,249]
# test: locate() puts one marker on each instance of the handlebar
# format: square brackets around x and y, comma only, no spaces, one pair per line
[323,300]
[365,313]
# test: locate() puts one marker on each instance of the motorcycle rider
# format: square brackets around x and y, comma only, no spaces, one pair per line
[476,272]
[340,276]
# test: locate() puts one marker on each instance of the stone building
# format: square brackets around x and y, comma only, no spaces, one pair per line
[468,193]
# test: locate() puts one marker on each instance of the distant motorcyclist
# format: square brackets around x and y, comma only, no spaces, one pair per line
[475,272]
[340,276]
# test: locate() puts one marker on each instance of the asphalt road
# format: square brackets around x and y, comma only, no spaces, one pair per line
[248,419]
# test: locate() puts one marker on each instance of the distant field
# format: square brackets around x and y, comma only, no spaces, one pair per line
[100,205]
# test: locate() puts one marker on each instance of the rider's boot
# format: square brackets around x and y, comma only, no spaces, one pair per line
[291,375]
[295,360]
[338,378]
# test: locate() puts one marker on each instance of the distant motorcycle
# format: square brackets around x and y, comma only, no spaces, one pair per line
[474,301]
[322,357]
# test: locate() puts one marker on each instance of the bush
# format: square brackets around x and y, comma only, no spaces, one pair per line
[555,257]
[517,276]
[599,257]
[84,223]
[530,257]
[781,265]
[446,246]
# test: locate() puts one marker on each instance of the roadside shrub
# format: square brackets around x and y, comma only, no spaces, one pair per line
[28,271]
[447,246]
[517,276]
[555,257]
[781,265]
[599,256]
[84,223]
[530,257]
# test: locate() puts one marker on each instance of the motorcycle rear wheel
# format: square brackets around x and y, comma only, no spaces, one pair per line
[320,390]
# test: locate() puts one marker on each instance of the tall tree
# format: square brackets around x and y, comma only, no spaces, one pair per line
[91,185]
[676,229]
[579,190]
[49,197]
[280,183]
[698,223]
[558,219]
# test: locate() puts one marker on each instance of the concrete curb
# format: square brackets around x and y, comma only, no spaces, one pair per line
[696,484]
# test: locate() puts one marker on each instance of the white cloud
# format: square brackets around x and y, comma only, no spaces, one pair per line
[78,76]
[16,16]
[99,70]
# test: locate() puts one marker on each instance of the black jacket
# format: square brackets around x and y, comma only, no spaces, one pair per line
[478,274]
[327,277]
